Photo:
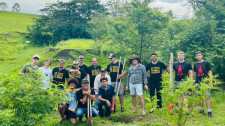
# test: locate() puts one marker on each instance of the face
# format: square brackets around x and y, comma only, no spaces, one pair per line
[48,62]
[199,56]
[112,59]
[85,86]
[35,60]
[72,86]
[103,74]
[154,58]
[61,64]
[181,57]
[104,83]
[76,65]
[81,59]
[134,61]
[94,62]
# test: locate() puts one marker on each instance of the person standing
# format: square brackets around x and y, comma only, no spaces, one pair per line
[82,95]
[93,71]
[154,73]
[106,96]
[182,70]
[60,75]
[77,72]
[98,84]
[135,79]
[112,69]
[46,73]
[81,63]
[202,69]
[26,68]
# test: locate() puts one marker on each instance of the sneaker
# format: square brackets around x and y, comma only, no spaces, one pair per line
[134,111]
[202,111]
[143,113]
[122,109]
[210,114]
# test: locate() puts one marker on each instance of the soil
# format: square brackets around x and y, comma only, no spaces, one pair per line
[65,53]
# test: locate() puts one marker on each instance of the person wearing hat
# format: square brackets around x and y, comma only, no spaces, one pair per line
[60,75]
[93,71]
[46,74]
[77,72]
[154,72]
[106,96]
[26,68]
[98,84]
[82,95]
[112,69]
[82,65]
[135,79]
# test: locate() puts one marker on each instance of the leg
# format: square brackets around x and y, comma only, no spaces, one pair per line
[120,89]
[62,109]
[96,104]
[139,92]
[73,121]
[159,96]
[107,112]
[101,110]
[151,91]
[142,102]
[94,112]
[121,100]
[134,102]
[201,103]
[80,112]
[72,117]
[208,103]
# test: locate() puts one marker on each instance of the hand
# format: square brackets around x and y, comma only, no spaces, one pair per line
[112,108]
[146,87]
[127,88]
[119,76]
[96,95]
[95,89]
[108,103]
[171,61]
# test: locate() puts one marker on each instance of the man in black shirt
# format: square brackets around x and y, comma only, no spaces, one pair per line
[154,73]
[202,69]
[106,97]
[112,68]
[82,65]
[60,74]
[77,72]
[93,71]
[82,96]
[182,70]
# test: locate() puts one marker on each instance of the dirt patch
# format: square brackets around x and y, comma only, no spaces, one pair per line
[65,53]
[132,119]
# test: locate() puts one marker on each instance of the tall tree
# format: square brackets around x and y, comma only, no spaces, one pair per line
[16,7]
[3,5]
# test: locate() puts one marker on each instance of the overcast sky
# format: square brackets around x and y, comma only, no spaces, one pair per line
[179,7]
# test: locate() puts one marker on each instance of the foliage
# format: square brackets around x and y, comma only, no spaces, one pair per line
[16,7]
[3,5]
[21,95]
[64,20]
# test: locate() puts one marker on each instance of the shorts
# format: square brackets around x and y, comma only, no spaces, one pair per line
[176,86]
[136,89]
[120,88]
[70,114]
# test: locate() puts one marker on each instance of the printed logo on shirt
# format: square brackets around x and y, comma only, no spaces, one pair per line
[200,70]
[180,69]
[95,72]
[155,70]
[77,74]
[58,75]
[114,68]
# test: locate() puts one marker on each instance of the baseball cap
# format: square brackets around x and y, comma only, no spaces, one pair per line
[103,70]
[75,62]
[36,56]
[81,56]
[84,81]
[111,56]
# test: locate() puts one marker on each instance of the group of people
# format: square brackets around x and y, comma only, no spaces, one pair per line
[102,82]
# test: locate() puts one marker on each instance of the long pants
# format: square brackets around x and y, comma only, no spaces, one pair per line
[104,112]
[81,111]
[158,88]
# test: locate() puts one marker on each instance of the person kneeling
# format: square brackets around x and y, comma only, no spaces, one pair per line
[106,97]
[68,108]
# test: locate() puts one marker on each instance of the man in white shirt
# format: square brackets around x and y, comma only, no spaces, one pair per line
[98,84]
[47,74]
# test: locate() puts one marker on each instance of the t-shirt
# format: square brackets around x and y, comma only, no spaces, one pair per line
[84,67]
[71,100]
[81,96]
[201,70]
[25,69]
[107,94]
[59,76]
[47,76]
[98,84]
[79,76]
[181,70]
[155,72]
[113,70]
[93,72]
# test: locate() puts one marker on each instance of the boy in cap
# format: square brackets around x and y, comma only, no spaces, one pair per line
[82,95]
[25,70]
[112,68]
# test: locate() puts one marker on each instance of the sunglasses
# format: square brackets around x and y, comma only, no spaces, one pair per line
[75,64]
[81,58]
[110,58]
[35,58]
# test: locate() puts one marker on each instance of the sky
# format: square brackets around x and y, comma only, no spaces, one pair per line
[179,8]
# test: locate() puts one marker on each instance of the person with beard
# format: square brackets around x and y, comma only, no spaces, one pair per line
[25,70]
[154,73]
[81,63]
[135,79]
[77,72]
[46,73]
[93,71]
[60,75]
[202,69]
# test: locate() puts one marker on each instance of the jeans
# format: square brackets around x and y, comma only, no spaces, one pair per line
[104,112]
[96,104]
[81,111]
[158,88]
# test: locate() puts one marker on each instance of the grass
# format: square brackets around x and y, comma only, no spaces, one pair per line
[155,119]
[76,44]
